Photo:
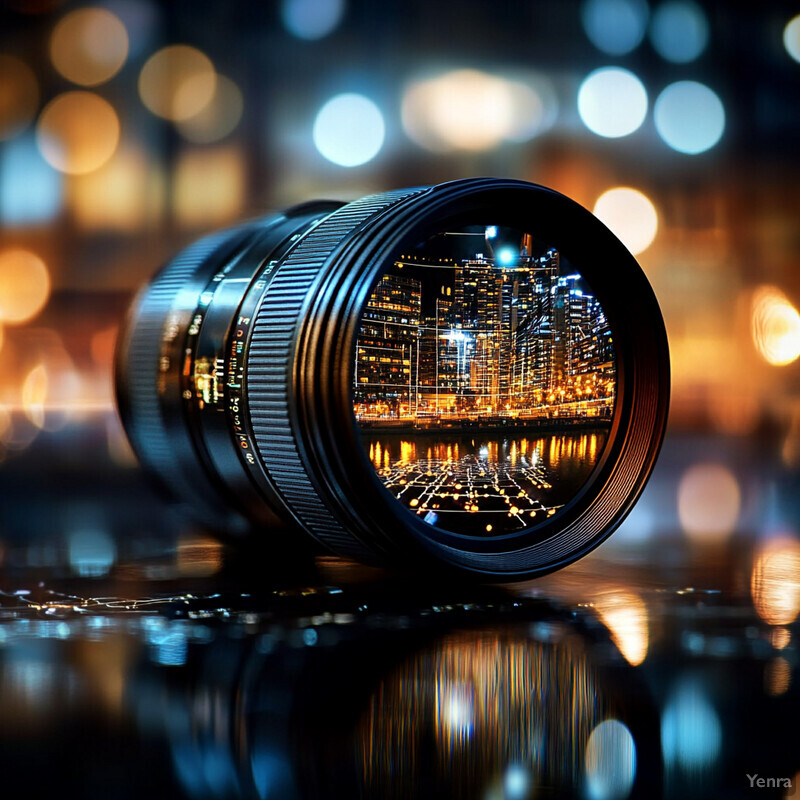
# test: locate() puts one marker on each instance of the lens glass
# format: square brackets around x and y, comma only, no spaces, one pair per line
[484,380]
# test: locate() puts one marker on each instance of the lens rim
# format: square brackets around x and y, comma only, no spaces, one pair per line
[323,372]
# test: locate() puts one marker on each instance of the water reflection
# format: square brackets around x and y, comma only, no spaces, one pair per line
[610,761]
[691,734]
[775,581]
[318,695]
[461,713]
[479,484]
[625,615]
[394,690]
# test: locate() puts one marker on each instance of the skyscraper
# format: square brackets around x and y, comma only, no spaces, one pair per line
[499,341]
[477,313]
[387,351]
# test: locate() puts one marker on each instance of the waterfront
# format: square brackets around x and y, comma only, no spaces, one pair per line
[485,485]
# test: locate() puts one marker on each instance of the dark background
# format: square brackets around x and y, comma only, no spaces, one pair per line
[699,587]
[723,260]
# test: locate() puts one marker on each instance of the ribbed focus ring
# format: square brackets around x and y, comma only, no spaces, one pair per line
[146,425]
[269,367]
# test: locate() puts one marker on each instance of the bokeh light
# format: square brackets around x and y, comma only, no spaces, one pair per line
[466,109]
[92,551]
[689,117]
[34,394]
[30,189]
[777,676]
[24,285]
[198,556]
[217,119]
[775,581]
[610,761]
[630,215]
[517,783]
[679,31]
[89,46]
[177,82]
[312,19]
[124,194]
[77,132]
[615,26]
[349,130]
[708,502]
[209,186]
[531,112]
[780,637]
[19,96]
[612,102]
[51,387]
[691,733]
[775,326]
[625,615]
[791,37]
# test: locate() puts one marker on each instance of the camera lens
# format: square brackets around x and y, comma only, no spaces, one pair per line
[472,375]
[484,380]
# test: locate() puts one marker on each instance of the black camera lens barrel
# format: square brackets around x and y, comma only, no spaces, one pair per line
[184,314]
[273,309]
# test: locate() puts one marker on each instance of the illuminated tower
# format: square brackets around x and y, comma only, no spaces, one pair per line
[477,313]
[438,358]
[387,349]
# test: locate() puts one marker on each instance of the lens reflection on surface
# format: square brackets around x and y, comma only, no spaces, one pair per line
[473,712]
[774,581]
[610,761]
[319,691]
[691,732]
[484,381]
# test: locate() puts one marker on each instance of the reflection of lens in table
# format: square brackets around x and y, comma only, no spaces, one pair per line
[481,485]
[483,709]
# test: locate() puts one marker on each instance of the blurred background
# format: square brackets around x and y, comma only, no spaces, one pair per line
[128,128]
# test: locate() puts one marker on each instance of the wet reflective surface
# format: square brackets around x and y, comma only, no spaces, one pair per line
[621,688]
[141,658]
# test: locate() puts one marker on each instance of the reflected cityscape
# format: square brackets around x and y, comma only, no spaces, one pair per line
[487,485]
[474,686]
[489,333]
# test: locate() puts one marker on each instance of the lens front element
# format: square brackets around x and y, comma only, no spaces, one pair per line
[484,380]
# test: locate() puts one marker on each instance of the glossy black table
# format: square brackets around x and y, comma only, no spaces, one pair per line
[141,658]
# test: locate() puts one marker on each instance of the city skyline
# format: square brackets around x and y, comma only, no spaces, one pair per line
[503,334]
